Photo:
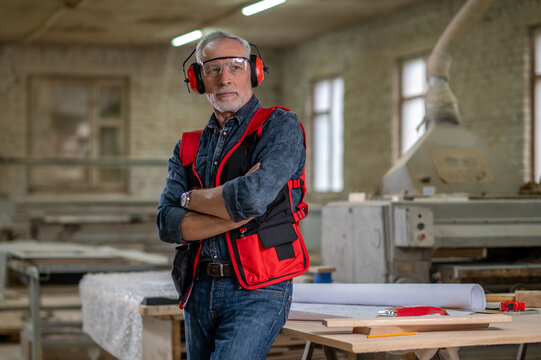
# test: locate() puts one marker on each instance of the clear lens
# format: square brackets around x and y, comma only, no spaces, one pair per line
[234,66]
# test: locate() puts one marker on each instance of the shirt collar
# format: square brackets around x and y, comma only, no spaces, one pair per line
[245,112]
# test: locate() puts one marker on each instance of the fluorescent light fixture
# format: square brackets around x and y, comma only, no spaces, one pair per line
[260,6]
[186,38]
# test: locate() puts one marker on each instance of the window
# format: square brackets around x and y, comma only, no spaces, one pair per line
[328,145]
[537,107]
[412,102]
[77,120]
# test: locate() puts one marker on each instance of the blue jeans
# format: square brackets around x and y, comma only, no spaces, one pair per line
[225,321]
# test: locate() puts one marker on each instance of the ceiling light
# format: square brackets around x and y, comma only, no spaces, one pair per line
[260,6]
[186,38]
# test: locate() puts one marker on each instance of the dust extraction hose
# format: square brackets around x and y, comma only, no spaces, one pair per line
[440,102]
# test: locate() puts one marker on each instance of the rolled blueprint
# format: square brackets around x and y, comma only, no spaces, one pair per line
[460,296]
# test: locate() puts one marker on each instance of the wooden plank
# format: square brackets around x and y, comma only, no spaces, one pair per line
[393,325]
[56,250]
[10,323]
[414,329]
[69,261]
[321,269]
[86,219]
[311,316]
[460,253]
[139,256]
[284,340]
[531,298]
[500,297]
[177,339]
[43,252]
[73,317]
[523,329]
[156,339]
[161,310]
[52,297]
[417,320]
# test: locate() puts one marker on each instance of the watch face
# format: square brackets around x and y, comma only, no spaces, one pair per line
[183,200]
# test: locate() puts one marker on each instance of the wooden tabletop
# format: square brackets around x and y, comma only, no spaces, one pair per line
[161,310]
[523,329]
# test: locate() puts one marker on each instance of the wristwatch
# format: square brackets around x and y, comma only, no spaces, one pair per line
[185,200]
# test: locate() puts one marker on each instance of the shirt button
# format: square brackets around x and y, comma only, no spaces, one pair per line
[224,133]
[216,163]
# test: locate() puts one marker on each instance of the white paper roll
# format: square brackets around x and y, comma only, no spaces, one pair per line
[461,296]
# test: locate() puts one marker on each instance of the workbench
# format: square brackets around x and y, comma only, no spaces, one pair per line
[136,316]
[157,324]
[162,330]
[37,261]
[522,330]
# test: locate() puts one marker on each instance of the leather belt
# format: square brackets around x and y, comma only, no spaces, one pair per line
[219,270]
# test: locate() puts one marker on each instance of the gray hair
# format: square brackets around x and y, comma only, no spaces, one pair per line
[219,35]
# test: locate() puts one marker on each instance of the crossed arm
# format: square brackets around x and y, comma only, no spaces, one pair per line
[209,216]
[221,209]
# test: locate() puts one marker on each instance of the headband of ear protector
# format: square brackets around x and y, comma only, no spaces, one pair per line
[194,80]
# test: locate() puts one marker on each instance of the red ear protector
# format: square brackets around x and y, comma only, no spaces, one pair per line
[193,77]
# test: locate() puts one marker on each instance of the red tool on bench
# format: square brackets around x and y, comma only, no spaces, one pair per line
[512,306]
[412,311]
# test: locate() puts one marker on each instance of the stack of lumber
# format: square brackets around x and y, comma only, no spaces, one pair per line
[531,298]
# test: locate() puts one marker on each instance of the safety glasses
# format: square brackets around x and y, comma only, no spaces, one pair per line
[234,65]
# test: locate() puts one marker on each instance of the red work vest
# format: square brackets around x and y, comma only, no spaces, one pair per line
[270,248]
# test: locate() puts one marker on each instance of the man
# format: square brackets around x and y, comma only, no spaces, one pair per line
[233,200]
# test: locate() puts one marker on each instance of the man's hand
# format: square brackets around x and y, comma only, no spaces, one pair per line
[197,226]
[209,216]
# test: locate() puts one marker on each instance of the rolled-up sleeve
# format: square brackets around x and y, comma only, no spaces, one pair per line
[170,214]
[281,153]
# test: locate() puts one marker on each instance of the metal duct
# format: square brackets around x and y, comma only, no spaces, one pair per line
[448,158]
[440,102]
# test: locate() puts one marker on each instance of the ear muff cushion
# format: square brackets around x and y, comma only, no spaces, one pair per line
[194,78]
[257,70]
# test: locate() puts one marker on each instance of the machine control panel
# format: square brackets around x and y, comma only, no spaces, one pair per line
[413,226]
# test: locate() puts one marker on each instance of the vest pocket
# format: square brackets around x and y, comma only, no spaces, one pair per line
[280,237]
[250,251]
[271,253]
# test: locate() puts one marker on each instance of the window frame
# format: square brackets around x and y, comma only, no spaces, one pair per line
[535,81]
[400,99]
[93,163]
[313,115]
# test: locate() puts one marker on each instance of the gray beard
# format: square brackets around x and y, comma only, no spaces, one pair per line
[227,106]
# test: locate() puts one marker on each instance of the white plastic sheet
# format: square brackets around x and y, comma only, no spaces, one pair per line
[460,296]
[110,308]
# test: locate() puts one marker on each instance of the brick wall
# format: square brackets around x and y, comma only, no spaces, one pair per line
[160,108]
[489,76]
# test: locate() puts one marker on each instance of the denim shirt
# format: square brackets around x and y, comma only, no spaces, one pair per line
[280,151]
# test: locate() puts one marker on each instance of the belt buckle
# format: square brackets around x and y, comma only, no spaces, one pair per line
[213,267]
[221,266]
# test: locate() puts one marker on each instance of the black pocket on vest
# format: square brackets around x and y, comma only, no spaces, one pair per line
[182,272]
[281,237]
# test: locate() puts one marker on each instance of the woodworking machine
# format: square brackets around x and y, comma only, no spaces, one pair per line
[451,213]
